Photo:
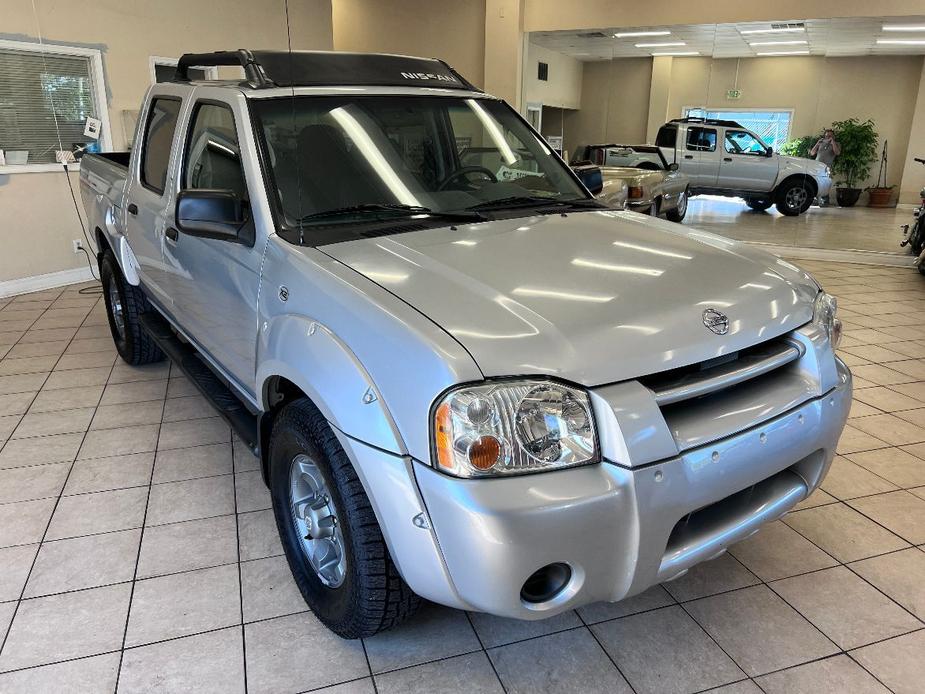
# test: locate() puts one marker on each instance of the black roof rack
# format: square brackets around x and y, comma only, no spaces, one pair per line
[267,69]
[707,121]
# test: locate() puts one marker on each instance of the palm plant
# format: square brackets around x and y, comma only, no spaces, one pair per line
[858,141]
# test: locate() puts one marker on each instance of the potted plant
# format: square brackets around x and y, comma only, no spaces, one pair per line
[858,142]
[880,194]
[799,147]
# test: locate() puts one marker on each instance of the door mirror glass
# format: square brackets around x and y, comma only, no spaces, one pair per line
[215,214]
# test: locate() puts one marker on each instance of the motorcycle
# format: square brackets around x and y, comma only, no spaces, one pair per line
[914,234]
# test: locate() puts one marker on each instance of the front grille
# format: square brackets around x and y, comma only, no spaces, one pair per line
[719,397]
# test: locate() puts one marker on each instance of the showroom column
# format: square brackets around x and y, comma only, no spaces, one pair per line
[659,94]
[504,49]
[913,179]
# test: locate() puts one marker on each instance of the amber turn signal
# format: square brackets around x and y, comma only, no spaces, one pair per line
[443,428]
[484,452]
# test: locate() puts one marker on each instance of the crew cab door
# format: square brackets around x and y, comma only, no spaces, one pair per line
[214,281]
[700,158]
[147,195]
[747,163]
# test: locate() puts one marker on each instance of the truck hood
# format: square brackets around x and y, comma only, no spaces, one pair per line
[593,297]
[810,166]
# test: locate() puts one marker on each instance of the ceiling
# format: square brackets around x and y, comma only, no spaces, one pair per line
[823,37]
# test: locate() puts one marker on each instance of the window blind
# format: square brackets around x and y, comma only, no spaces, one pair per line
[45,100]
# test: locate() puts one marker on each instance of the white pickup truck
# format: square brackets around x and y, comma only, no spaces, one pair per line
[722,157]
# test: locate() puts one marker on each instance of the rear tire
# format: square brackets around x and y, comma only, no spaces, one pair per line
[759,204]
[917,237]
[362,592]
[124,305]
[678,213]
[794,197]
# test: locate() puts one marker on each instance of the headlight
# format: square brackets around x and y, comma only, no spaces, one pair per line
[513,427]
[824,316]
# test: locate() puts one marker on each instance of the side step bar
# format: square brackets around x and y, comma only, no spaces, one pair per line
[229,406]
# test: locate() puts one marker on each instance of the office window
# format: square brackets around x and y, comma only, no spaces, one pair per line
[46,95]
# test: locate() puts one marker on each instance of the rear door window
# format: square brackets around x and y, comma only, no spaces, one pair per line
[159,131]
[701,139]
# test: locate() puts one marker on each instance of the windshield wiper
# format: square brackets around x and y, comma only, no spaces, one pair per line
[515,201]
[393,209]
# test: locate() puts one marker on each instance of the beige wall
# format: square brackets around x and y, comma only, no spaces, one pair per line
[614,103]
[562,89]
[451,31]
[617,95]
[38,215]
[913,179]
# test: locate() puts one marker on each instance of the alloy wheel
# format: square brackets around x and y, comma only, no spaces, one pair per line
[315,519]
[115,305]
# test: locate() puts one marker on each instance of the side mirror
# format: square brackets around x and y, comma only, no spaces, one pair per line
[674,166]
[213,214]
[769,152]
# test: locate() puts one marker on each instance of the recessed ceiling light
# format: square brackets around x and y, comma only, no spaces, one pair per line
[629,34]
[768,53]
[903,27]
[665,44]
[776,30]
[676,53]
[776,43]
[902,42]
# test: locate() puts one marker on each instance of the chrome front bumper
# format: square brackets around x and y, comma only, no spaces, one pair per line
[621,530]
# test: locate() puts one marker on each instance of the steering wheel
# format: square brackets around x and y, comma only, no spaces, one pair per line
[465,171]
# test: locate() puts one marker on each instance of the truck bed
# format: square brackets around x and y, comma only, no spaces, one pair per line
[104,174]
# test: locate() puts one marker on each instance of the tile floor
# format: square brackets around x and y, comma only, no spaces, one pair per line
[857,228]
[138,554]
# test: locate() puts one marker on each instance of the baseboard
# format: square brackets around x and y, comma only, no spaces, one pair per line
[838,255]
[37,283]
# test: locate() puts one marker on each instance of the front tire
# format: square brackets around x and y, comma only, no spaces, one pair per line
[678,213]
[333,543]
[794,197]
[124,304]
[759,204]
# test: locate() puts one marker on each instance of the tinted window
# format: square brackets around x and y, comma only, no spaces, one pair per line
[741,142]
[162,122]
[213,158]
[701,139]
[667,136]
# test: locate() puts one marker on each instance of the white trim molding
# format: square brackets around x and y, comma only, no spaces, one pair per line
[37,283]
[99,94]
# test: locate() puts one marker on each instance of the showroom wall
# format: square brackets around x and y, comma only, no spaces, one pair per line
[562,87]
[617,95]
[38,215]
[455,33]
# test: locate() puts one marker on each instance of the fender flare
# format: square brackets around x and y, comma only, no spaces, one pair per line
[309,355]
[119,245]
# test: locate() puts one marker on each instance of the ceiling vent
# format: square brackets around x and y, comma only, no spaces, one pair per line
[788,25]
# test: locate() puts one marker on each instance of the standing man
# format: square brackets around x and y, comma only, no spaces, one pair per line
[825,150]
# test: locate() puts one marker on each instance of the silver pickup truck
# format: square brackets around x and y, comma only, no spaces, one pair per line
[721,157]
[466,382]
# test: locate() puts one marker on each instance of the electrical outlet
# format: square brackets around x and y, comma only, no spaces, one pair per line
[78,246]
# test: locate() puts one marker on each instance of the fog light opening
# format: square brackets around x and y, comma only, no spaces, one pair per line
[546,583]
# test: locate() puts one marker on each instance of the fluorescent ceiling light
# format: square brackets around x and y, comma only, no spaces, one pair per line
[630,34]
[903,27]
[664,44]
[901,42]
[676,53]
[568,296]
[767,53]
[779,30]
[776,43]
[631,269]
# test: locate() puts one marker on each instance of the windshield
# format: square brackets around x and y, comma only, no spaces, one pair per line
[344,159]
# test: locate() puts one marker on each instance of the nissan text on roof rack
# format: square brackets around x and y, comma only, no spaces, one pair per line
[466,380]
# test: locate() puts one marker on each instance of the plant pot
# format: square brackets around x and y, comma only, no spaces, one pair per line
[879,197]
[847,197]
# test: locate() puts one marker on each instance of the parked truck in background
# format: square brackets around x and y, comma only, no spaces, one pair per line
[466,380]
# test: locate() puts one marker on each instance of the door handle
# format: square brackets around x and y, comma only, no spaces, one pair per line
[132,208]
[688,156]
[172,234]
[727,158]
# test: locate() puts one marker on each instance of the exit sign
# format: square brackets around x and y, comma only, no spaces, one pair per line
[733,93]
